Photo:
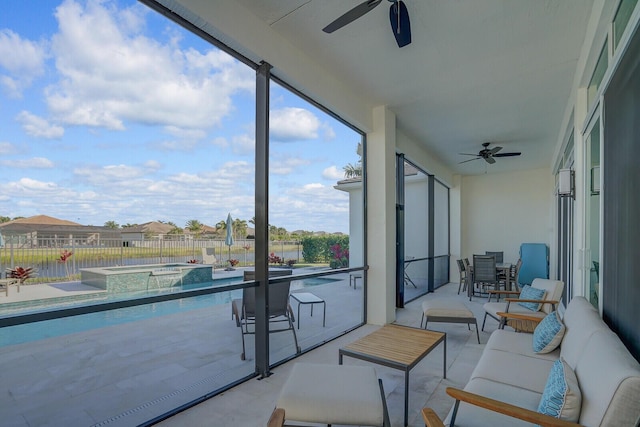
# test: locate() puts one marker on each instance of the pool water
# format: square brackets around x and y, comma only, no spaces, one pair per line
[68,325]
[29,332]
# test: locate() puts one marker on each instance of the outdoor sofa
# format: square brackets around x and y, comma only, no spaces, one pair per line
[510,378]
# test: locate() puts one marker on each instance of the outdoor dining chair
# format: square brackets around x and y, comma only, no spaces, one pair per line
[484,273]
[280,312]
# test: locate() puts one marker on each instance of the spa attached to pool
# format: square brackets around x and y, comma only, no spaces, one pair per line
[142,277]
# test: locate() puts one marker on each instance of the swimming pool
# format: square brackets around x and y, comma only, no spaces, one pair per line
[69,325]
[29,332]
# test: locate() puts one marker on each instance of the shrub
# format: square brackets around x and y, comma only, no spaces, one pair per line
[318,248]
[275,259]
[340,257]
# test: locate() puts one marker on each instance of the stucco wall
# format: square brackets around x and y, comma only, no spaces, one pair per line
[502,211]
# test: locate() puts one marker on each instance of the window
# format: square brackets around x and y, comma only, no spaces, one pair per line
[597,76]
[621,20]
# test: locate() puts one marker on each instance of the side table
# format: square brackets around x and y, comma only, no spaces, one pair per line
[309,298]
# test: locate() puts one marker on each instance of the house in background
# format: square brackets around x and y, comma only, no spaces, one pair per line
[46,231]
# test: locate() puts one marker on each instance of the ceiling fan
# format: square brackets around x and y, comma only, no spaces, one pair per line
[398,15]
[488,154]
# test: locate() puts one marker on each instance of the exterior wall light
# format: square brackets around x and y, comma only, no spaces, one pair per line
[566,183]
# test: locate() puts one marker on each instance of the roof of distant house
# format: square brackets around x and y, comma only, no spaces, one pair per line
[154,227]
[41,220]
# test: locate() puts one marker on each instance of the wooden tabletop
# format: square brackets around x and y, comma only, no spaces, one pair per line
[398,344]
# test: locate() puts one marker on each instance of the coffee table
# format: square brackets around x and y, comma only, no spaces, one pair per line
[398,347]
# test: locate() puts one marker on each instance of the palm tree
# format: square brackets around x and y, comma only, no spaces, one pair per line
[194,226]
[112,224]
[240,228]
[175,230]
[351,170]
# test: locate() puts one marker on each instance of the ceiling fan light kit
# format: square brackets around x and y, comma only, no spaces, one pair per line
[398,16]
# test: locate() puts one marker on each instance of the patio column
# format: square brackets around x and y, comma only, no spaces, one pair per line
[381,233]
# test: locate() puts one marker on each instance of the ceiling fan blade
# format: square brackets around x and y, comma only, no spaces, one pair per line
[351,15]
[507,154]
[467,154]
[400,24]
[494,150]
[470,160]
[490,160]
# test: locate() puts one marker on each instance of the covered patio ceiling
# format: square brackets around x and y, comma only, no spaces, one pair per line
[498,71]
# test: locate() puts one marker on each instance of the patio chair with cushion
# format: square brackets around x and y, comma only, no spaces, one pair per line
[280,312]
[209,256]
[533,304]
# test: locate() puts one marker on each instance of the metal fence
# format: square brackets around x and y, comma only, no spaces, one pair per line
[47,255]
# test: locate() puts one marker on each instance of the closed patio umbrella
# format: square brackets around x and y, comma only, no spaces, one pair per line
[229,239]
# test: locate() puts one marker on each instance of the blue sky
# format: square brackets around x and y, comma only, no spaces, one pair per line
[108,111]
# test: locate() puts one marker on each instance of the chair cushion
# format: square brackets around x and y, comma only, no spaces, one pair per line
[561,397]
[529,292]
[332,394]
[548,334]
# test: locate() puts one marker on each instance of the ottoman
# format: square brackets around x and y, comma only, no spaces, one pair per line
[448,311]
[334,394]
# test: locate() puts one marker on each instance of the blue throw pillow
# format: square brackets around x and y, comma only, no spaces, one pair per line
[529,292]
[561,397]
[548,334]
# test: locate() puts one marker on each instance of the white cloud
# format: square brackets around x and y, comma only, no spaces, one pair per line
[293,124]
[39,127]
[243,145]
[108,175]
[23,59]
[111,73]
[182,133]
[328,133]
[311,206]
[7,148]
[152,165]
[220,142]
[286,165]
[333,173]
[32,163]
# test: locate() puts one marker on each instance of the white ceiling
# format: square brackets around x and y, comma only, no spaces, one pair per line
[476,70]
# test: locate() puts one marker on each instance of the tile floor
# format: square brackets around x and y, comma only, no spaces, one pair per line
[251,403]
[114,376]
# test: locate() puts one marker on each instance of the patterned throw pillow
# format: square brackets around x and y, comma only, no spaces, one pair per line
[561,397]
[529,292]
[548,334]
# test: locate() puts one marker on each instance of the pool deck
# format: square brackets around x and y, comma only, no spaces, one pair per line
[127,374]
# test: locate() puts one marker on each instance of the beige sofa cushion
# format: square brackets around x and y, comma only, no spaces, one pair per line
[518,343]
[581,320]
[513,369]
[609,379]
[473,416]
